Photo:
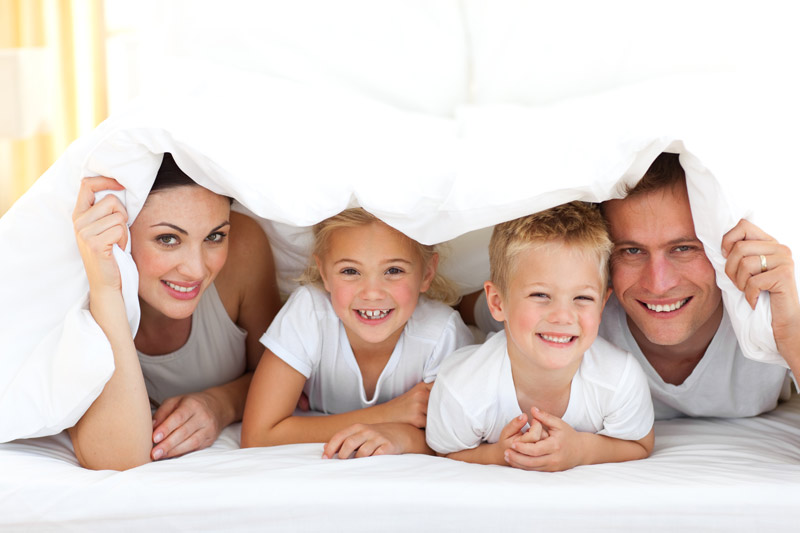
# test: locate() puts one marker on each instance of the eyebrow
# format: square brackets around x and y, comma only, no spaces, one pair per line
[636,244]
[355,261]
[183,231]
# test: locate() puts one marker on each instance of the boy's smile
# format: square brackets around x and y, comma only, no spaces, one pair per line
[552,306]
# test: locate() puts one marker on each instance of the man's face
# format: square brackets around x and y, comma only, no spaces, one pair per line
[659,270]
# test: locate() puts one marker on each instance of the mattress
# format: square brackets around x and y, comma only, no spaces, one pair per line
[704,474]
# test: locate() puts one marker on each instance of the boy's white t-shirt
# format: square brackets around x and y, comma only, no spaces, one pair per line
[474,396]
[725,383]
[310,338]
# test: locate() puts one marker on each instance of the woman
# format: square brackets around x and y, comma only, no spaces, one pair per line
[201,318]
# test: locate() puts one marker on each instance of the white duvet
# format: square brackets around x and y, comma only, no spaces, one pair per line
[442,167]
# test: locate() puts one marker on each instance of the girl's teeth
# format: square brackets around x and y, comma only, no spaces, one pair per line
[667,308]
[373,314]
[560,340]
[179,288]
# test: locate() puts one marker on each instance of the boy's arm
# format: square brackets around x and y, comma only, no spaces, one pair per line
[493,454]
[273,396]
[566,448]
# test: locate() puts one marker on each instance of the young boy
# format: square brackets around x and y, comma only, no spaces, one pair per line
[583,400]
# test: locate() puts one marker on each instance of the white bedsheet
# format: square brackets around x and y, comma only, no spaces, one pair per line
[704,474]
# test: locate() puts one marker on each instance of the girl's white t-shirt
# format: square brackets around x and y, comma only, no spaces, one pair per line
[310,338]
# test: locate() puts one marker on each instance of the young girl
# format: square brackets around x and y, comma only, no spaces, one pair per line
[364,346]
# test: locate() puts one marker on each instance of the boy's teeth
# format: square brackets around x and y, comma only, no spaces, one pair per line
[561,340]
[373,314]
[666,308]
[179,288]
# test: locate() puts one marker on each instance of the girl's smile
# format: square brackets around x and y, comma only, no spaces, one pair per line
[374,275]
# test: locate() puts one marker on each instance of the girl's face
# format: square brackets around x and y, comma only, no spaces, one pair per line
[374,275]
[179,244]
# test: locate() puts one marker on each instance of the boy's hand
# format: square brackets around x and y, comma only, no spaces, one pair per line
[560,446]
[365,440]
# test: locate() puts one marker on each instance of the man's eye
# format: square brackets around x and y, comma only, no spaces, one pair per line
[683,248]
[632,251]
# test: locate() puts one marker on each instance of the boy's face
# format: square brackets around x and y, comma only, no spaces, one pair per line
[552,305]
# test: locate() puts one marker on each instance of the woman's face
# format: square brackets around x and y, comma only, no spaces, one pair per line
[179,243]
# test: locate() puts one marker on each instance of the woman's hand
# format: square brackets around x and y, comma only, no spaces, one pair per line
[187,423]
[98,226]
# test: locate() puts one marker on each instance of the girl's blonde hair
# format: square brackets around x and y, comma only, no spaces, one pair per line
[441,288]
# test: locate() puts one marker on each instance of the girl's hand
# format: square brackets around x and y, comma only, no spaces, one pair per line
[559,448]
[184,424]
[98,226]
[410,407]
[365,440]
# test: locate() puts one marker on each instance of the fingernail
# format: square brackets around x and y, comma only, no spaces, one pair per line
[536,409]
[158,438]
[158,453]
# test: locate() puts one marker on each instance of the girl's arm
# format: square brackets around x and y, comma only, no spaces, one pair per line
[276,387]
[494,454]
[565,448]
[114,433]
[248,288]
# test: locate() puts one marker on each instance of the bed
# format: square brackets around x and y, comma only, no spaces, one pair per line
[704,475]
[465,138]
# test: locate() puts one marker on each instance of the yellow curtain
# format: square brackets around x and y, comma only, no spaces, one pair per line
[73,33]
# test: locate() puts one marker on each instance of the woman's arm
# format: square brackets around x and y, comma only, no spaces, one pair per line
[114,433]
[276,387]
[248,289]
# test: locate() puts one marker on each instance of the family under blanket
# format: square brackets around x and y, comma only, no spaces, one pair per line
[370,339]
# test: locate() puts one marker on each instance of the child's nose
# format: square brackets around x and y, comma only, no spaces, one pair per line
[372,289]
[560,313]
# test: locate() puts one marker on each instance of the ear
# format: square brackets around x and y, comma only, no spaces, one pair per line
[322,273]
[495,301]
[430,273]
[605,300]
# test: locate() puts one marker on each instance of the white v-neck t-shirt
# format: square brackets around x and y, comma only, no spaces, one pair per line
[310,338]
[474,396]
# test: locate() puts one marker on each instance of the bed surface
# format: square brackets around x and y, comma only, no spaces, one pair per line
[734,474]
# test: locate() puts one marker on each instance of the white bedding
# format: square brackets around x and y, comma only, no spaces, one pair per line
[704,474]
[443,118]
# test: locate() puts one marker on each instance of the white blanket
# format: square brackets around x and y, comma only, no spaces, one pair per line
[368,104]
[293,155]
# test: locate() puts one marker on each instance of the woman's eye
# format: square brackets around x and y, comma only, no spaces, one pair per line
[168,240]
[218,236]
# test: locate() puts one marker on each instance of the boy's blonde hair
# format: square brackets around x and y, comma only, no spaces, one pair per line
[575,224]
[441,289]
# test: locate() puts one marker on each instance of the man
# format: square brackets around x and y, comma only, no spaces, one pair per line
[667,309]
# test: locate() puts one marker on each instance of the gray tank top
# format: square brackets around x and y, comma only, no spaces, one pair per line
[214,354]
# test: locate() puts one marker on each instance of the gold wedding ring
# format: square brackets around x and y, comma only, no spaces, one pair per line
[763,263]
